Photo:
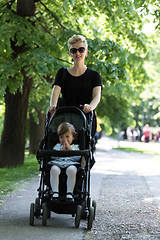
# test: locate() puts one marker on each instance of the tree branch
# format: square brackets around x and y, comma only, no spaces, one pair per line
[59,59]
[9,4]
[52,15]
[44,28]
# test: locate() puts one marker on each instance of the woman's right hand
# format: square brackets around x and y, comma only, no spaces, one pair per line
[52,109]
[87,108]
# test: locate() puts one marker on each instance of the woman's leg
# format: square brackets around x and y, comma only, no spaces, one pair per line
[54,179]
[71,179]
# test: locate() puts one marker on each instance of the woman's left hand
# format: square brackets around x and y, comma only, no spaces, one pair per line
[87,108]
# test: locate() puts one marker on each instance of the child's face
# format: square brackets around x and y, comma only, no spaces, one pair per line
[68,136]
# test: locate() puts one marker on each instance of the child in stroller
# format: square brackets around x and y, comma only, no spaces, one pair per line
[81,207]
[66,133]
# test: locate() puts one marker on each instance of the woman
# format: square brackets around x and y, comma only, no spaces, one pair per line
[79,85]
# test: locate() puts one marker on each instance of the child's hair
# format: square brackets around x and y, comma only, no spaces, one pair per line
[65,127]
[77,39]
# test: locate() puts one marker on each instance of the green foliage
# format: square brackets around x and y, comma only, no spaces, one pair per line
[146,109]
[34,59]
[117,49]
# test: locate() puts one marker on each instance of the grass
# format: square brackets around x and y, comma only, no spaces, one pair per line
[11,178]
[136,150]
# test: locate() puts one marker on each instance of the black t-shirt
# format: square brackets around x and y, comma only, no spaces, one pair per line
[77,90]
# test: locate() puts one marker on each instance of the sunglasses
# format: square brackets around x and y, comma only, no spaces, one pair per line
[74,50]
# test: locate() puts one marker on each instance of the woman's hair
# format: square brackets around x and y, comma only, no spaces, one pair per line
[77,39]
[66,127]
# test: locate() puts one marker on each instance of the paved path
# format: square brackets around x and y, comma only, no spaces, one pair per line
[127,190]
[129,198]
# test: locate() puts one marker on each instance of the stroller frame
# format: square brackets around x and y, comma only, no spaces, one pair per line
[82,207]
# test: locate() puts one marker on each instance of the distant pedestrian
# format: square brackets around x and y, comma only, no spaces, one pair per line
[146,133]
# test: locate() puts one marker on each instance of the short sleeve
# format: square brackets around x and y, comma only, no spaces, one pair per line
[59,78]
[96,79]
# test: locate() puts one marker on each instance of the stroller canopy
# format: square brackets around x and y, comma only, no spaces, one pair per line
[72,115]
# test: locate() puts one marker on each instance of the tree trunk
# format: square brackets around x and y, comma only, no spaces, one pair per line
[26,8]
[36,132]
[13,136]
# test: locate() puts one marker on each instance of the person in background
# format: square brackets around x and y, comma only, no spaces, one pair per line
[146,133]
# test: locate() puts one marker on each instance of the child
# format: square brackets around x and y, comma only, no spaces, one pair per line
[67,134]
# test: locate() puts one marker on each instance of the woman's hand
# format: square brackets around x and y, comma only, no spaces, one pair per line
[52,109]
[87,108]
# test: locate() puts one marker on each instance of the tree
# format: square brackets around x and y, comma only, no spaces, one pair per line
[20,51]
[36,131]
[34,46]
[38,103]
[18,102]
[147,108]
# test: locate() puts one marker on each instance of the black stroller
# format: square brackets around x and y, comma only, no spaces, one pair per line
[82,207]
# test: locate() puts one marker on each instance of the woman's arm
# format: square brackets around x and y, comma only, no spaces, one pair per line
[54,98]
[96,94]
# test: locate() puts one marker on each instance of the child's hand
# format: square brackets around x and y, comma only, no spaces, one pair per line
[66,145]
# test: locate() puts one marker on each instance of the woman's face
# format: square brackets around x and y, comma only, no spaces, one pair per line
[79,55]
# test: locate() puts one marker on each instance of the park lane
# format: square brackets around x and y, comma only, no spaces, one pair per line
[126,188]
[129,198]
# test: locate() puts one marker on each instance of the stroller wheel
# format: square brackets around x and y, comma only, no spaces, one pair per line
[37,208]
[94,206]
[84,211]
[48,213]
[78,216]
[90,218]
[44,215]
[31,219]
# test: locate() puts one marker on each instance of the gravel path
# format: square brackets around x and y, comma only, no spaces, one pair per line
[129,200]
